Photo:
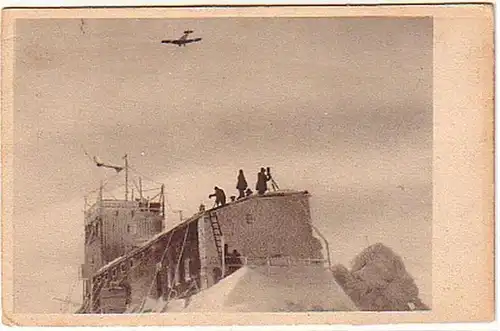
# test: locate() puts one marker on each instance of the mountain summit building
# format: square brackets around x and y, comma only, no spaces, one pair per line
[130,257]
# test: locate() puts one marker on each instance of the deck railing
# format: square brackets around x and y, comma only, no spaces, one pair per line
[154,207]
[270,261]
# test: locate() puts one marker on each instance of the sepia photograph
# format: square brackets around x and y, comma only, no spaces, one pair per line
[222,164]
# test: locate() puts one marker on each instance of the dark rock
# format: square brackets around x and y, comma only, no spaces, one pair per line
[378,281]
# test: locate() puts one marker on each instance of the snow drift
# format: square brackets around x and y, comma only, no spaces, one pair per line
[265,289]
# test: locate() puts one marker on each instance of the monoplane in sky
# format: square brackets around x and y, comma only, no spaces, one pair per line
[182,41]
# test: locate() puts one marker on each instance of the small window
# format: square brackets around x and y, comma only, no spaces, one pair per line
[133,228]
[116,213]
[132,213]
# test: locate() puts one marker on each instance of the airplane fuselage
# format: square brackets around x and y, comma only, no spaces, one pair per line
[182,41]
[179,42]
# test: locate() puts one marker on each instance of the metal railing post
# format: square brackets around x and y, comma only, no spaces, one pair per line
[327,248]
[223,257]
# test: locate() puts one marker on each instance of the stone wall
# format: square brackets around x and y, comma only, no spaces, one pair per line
[269,225]
[259,227]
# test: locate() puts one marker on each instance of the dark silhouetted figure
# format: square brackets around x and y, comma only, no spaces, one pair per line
[262,179]
[220,196]
[227,257]
[237,257]
[242,184]
[248,192]
[217,274]
[234,261]
[128,291]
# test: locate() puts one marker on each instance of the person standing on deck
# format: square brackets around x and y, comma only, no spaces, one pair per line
[262,179]
[242,184]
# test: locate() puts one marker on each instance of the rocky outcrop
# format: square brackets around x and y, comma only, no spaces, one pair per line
[378,281]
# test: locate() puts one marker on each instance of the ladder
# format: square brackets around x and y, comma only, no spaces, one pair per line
[214,222]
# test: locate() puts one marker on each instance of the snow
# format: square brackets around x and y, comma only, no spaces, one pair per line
[149,305]
[273,289]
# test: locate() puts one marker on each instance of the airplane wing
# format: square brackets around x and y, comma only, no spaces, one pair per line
[192,40]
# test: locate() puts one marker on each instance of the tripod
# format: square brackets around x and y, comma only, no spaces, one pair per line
[274,185]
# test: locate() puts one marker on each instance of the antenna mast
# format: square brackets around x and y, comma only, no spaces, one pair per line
[126,177]
[180,214]
[163,200]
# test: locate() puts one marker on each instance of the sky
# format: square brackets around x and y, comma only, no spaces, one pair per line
[341,107]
